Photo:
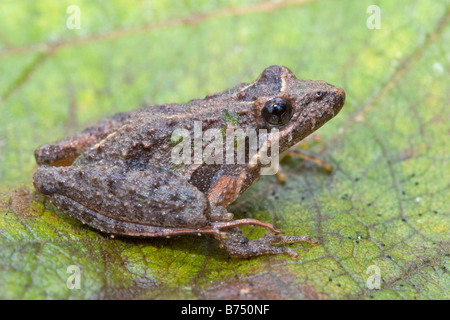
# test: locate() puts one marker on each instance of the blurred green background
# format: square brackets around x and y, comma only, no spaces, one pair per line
[385,204]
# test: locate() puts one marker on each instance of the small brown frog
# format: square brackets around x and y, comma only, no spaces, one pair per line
[119,176]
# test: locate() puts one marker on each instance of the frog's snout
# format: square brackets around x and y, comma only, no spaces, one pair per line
[339,98]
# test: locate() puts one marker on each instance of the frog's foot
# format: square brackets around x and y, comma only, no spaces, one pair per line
[239,246]
[281,175]
[300,154]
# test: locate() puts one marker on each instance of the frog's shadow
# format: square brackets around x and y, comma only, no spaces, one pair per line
[188,244]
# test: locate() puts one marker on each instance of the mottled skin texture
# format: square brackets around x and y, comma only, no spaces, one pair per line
[118,176]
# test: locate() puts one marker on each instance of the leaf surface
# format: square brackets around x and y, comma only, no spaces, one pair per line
[383,210]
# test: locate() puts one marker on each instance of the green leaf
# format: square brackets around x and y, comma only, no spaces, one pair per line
[384,208]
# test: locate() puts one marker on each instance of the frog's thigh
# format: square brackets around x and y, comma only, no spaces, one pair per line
[124,201]
[65,151]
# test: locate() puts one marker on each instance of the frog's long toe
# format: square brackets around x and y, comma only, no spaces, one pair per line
[289,239]
[248,221]
[239,246]
[265,243]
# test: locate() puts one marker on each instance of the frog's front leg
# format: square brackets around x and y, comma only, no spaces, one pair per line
[65,151]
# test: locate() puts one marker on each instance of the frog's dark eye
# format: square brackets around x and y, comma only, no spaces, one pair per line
[319,94]
[277,111]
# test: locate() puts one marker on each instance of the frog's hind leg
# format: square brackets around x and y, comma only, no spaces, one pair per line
[65,151]
[115,227]
[123,201]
